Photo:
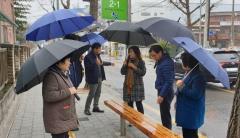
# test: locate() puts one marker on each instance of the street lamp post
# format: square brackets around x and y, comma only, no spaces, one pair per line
[200,25]
[206,24]
[232,25]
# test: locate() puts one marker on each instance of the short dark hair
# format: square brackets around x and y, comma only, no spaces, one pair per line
[96,45]
[156,48]
[188,60]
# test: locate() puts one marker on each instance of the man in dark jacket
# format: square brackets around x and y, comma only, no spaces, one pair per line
[164,82]
[95,74]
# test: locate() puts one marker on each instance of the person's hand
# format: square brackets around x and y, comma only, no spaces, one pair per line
[160,99]
[81,58]
[180,83]
[72,90]
[131,65]
[83,90]
[98,62]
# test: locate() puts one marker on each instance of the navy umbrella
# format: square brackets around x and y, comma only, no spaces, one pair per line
[58,23]
[206,60]
[165,29]
[34,69]
[93,38]
[128,33]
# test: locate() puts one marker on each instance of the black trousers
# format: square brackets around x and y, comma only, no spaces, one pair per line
[62,135]
[190,133]
[138,104]
[165,114]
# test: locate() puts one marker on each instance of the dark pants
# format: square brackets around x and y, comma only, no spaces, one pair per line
[94,93]
[139,106]
[190,133]
[62,135]
[165,114]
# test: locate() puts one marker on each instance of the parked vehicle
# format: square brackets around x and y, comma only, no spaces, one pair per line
[228,59]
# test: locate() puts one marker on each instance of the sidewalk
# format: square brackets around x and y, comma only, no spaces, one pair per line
[29,122]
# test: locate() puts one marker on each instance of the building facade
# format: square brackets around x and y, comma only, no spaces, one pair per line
[7,25]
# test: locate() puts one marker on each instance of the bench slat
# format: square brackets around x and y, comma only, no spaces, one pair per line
[143,123]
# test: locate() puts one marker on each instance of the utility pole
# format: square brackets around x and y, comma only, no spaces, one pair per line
[206,24]
[232,26]
[200,24]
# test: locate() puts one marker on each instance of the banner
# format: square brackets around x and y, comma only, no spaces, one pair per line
[115,9]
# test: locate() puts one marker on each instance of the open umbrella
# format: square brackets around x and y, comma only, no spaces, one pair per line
[93,38]
[165,29]
[206,60]
[128,33]
[34,69]
[58,23]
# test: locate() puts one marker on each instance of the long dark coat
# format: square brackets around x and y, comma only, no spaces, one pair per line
[59,112]
[137,93]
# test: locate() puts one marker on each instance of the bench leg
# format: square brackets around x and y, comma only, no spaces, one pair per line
[123,126]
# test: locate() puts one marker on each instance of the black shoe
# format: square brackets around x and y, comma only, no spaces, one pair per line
[98,110]
[87,112]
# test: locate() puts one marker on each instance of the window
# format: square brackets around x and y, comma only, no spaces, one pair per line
[5,34]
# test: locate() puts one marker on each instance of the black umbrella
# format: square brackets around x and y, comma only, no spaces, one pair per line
[165,28]
[128,33]
[34,69]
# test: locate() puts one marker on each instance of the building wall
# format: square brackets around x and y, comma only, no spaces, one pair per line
[6,29]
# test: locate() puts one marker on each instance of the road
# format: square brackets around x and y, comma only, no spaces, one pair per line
[218,102]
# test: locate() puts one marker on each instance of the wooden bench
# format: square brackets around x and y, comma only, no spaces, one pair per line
[144,124]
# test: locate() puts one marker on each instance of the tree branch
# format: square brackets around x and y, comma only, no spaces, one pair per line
[67,5]
[42,6]
[183,4]
[202,4]
[196,21]
[178,7]
[52,5]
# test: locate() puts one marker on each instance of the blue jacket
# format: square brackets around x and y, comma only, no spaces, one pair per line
[92,70]
[76,72]
[190,104]
[165,77]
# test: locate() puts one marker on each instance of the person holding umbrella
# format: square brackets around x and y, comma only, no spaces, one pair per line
[59,112]
[164,82]
[190,103]
[95,74]
[134,69]
[76,70]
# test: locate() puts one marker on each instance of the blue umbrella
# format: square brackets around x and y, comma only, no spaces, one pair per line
[93,38]
[208,61]
[58,23]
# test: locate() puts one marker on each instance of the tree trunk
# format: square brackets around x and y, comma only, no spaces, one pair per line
[234,122]
[94,8]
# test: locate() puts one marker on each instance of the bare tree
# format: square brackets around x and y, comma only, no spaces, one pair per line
[234,122]
[94,8]
[184,7]
[66,5]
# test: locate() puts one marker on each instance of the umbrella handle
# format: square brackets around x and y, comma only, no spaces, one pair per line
[77,97]
[189,72]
